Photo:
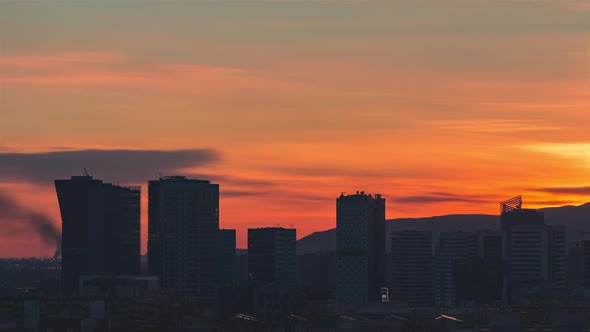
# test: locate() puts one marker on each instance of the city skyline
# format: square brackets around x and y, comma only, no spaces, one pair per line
[193,272]
[442,107]
[26,215]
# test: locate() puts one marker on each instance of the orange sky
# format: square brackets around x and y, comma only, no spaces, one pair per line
[442,107]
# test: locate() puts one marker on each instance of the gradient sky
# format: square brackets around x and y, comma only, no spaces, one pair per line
[441,106]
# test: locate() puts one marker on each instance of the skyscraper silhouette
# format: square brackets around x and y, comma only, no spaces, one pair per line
[534,252]
[272,256]
[411,268]
[100,229]
[360,248]
[586,262]
[226,256]
[557,255]
[452,246]
[182,242]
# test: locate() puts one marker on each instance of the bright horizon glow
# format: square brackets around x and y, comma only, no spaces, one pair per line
[442,107]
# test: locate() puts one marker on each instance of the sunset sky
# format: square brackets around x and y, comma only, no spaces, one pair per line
[441,106]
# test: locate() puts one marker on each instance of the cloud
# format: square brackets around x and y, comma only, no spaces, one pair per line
[338,171]
[578,150]
[275,194]
[232,181]
[441,197]
[127,166]
[16,218]
[585,191]
[500,126]
[110,69]
[548,203]
[239,193]
[44,61]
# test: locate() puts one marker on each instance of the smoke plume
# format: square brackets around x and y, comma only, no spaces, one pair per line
[12,212]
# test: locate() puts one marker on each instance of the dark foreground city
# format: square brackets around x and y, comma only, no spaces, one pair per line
[514,272]
[294,165]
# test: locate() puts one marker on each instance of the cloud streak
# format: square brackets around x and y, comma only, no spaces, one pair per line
[118,165]
[583,191]
[14,216]
[441,197]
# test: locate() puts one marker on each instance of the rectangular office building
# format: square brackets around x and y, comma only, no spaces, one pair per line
[360,248]
[100,229]
[182,235]
[272,256]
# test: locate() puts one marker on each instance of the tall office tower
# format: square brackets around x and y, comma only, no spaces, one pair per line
[491,253]
[451,247]
[317,271]
[182,234]
[490,246]
[575,265]
[477,276]
[272,256]
[411,259]
[586,257]
[360,248]
[534,252]
[100,229]
[226,256]
[557,260]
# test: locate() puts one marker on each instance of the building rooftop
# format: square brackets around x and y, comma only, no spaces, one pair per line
[179,178]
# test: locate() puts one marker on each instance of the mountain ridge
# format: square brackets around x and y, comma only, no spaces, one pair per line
[576,218]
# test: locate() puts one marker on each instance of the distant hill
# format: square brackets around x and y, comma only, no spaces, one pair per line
[575,218]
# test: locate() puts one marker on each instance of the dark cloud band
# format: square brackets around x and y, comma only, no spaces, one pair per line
[125,166]
[584,191]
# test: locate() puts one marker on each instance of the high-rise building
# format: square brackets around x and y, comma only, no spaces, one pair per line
[491,253]
[534,252]
[411,259]
[360,248]
[226,256]
[575,265]
[317,271]
[477,276]
[586,258]
[182,234]
[100,229]
[272,256]
[557,251]
[490,246]
[452,246]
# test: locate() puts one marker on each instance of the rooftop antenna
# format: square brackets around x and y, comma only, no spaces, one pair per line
[85,172]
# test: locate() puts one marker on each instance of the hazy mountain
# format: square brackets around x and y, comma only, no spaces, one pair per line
[575,218]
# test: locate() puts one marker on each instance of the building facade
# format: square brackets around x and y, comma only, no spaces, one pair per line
[411,268]
[557,260]
[534,253]
[272,256]
[100,229]
[451,247]
[183,227]
[226,256]
[360,248]
[586,264]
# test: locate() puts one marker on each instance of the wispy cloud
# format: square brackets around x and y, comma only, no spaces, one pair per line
[111,165]
[575,151]
[55,60]
[583,191]
[442,197]
[494,125]
[109,69]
